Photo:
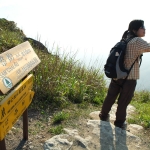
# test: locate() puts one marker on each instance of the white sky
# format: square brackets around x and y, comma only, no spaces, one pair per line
[90,26]
[75,23]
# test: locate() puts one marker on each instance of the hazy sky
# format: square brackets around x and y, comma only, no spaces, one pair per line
[90,27]
[76,23]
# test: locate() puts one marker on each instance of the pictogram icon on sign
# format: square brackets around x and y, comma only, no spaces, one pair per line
[8,83]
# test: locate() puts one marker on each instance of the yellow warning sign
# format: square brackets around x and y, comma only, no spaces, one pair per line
[7,124]
[15,64]
[16,95]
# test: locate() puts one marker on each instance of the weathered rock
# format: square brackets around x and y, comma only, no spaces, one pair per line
[58,142]
[134,128]
[103,136]
[99,135]
[112,137]
[130,110]
[37,44]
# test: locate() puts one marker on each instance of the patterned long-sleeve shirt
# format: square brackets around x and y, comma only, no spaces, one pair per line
[135,48]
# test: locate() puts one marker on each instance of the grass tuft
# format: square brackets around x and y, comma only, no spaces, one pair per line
[141,101]
[59,117]
[56,130]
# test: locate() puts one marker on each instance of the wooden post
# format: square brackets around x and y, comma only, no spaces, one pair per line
[2,145]
[25,125]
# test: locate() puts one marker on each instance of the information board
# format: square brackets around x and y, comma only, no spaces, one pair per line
[16,95]
[8,123]
[15,64]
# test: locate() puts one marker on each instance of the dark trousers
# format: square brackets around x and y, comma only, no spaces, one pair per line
[124,96]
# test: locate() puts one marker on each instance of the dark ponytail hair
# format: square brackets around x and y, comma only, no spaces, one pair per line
[134,25]
[124,36]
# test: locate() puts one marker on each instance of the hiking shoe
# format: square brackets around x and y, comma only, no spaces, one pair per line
[104,118]
[123,126]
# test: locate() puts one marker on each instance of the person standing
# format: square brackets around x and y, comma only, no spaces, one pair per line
[135,48]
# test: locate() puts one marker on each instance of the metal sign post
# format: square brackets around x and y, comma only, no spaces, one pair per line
[2,144]
[25,125]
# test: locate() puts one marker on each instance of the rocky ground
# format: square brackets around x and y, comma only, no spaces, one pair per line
[91,129]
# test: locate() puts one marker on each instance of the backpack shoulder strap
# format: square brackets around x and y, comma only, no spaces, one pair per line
[140,59]
[127,40]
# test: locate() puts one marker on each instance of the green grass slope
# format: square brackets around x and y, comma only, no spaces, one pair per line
[60,82]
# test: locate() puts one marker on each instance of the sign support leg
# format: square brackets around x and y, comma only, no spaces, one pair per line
[25,125]
[2,145]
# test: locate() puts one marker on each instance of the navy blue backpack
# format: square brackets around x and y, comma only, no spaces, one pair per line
[114,67]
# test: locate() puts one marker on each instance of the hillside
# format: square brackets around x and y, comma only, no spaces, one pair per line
[66,92]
